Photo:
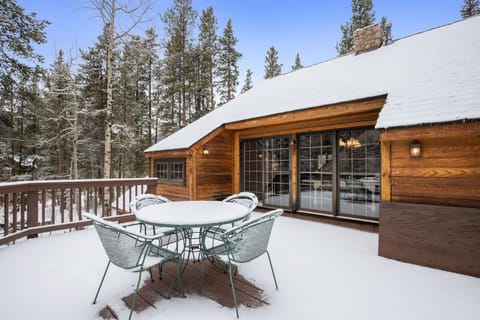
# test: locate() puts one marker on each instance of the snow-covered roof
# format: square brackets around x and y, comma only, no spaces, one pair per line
[429,77]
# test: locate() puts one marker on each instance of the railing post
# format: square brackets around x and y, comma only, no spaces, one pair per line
[32,211]
[152,187]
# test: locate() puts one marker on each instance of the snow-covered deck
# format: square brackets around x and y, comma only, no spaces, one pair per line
[324,272]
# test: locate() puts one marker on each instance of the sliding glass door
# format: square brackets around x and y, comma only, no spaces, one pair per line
[265,170]
[359,173]
[316,165]
[277,172]
[337,172]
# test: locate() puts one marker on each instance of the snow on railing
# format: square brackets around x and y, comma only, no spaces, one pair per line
[30,208]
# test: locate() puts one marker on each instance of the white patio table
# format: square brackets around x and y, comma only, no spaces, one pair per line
[190,215]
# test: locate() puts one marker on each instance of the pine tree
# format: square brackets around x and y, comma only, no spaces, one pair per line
[248,82]
[362,16]
[386,27]
[227,64]
[19,77]
[91,77]
[272,67]
[24,119]
[131,108]
[150,46]
[19,32]
[298,63]
[57,117]
[345,46]
[205,71]
[177,67]
[470,8]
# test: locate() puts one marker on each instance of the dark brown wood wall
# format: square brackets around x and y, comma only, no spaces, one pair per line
[448,172]
[214,172]
[442,237]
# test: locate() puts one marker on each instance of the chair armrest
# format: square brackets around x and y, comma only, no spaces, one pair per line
[268,216]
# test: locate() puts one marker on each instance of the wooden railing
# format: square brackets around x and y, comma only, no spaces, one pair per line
[30,208]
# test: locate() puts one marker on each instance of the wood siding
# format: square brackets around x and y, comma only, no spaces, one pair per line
[217,174]
[207,176]
[214,172]
[351,111]
[171,191]
[441,237]
[448,172]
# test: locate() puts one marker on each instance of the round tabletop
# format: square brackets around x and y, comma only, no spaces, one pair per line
[190,214]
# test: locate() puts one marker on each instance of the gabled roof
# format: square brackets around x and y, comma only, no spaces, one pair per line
[429,77]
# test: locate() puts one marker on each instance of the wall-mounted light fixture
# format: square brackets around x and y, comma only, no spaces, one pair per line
[205,151]
[415,150]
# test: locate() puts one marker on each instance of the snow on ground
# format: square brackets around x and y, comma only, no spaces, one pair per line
[324,272]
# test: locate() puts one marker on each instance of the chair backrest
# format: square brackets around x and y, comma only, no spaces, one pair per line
[124,248]
[145,200]
[250,239]
[246,199]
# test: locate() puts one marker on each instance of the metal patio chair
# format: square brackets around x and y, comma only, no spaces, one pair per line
[244,243]
[145,200]
[247,199]
[134,251]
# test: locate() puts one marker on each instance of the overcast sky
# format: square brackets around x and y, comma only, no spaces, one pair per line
[309,27]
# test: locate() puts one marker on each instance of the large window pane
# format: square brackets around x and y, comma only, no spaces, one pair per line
[252,168]
[316,169]
[359,173]
[277,171]
[265,170]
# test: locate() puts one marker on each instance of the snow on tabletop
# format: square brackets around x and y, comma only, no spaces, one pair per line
[428,77]
[179,213]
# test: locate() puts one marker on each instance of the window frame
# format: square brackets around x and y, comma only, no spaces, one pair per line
[171,169]
[253,167]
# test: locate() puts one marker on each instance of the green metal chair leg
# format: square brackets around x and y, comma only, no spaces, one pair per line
[202,276]
[179,279]
[151,274]
[271,267]
[135,296]
[160,269]
[233,288]
[101,282]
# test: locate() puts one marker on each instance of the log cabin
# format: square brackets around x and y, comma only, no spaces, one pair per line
[389,134]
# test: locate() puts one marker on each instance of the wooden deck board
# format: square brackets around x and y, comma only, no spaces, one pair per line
[216,287]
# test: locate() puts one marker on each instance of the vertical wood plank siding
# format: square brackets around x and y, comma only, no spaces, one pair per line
[214,171]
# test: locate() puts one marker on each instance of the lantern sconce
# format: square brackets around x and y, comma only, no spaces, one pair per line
[415,150]
[205,151]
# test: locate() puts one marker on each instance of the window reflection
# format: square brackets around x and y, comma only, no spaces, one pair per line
[316,169]
[359,172]
[338,171]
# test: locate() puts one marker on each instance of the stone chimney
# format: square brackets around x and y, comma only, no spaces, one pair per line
[367,38]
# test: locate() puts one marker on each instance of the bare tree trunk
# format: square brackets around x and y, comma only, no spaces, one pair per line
[149,101]
[107,10]
[75,138]
[107,161]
